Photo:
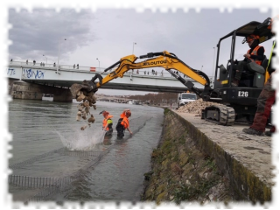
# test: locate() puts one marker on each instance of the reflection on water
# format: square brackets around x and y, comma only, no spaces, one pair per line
[50,150]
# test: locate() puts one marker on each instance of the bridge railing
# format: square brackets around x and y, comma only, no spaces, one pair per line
[160,72]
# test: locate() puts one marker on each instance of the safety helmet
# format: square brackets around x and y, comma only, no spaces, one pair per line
[275,19]
[250,38]
[104,113]
[128,113]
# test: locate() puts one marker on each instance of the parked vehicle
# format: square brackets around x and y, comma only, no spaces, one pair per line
[184,98]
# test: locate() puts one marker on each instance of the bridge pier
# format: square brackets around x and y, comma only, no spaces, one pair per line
[24,90]
[63,95]
[30,91]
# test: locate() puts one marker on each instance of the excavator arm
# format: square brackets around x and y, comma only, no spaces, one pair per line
[163,59]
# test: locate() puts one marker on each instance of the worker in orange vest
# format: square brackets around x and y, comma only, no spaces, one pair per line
[107,123]
[265,102]
[123,123]
[254,54]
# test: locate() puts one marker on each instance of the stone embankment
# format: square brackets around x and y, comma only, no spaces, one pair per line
[199,161]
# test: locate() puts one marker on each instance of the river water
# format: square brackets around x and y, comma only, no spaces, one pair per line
[54,160]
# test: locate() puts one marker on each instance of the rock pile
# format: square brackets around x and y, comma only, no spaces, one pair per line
[195,107]
[84,112]
[87,100]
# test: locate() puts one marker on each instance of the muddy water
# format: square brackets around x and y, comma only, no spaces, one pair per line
[54,160]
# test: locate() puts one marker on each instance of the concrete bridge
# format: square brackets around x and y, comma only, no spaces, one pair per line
[32,80]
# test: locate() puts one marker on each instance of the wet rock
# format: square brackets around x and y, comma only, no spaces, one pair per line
[83,127]
[86,104]
[91,119]
[83,93]
[84,115]
[79,116]
[80,96]
[80,107]
[87,110]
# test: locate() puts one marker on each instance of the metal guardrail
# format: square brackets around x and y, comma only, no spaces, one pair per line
[143,72]
[49,66]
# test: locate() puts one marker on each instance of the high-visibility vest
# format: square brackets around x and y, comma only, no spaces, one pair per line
[107,121]
[125,122]
[255,52]
[122,115]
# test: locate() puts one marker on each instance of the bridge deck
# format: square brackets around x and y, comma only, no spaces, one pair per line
[66,75]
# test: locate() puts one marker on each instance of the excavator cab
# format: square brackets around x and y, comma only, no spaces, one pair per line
[230,50]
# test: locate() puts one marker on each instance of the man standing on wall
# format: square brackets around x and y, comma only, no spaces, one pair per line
[270,95]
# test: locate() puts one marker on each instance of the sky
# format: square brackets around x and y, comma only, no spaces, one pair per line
[102,37]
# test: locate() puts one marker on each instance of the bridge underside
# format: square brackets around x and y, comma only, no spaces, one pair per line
[32,91]
[116,86]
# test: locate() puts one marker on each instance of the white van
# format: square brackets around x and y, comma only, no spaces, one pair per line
[184,98]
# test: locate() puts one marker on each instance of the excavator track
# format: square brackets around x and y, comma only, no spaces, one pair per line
[219,114]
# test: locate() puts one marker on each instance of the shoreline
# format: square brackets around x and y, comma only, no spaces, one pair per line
[191,147]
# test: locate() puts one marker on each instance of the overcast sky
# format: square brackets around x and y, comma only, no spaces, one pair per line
[109,34]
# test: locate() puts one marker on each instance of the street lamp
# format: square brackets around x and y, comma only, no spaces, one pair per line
[46,59]
[201,68]
[134,43]
[58,56]
[99,64]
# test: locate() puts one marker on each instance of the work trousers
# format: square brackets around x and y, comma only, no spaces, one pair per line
[264,103]
[120,128]
[109,132]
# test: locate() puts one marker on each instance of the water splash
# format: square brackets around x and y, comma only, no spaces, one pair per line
[79,140]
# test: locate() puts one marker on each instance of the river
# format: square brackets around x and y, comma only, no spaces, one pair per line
[54,160]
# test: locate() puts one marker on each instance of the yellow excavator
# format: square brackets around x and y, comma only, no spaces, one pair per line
[159,59]
[166,60]
[235,103]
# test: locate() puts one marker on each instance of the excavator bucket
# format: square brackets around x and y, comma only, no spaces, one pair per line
[86,90]
[80,93]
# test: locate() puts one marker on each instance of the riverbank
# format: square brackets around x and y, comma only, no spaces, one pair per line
[199,161]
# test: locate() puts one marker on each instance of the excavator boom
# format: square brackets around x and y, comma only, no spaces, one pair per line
[163,59]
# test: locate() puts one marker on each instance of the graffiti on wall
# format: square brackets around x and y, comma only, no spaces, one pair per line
[31,73]
[7,71]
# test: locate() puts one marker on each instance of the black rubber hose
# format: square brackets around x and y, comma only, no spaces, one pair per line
[112,66]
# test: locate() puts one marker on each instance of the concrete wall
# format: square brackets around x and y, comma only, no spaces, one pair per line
[167,182]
